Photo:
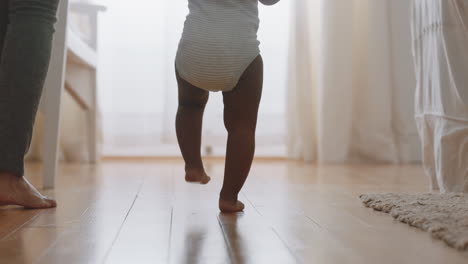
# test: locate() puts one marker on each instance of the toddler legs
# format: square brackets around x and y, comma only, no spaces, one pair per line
[240,118]
[189,119]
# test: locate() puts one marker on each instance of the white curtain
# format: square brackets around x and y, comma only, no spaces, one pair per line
[138,87]
[351,85]
[440,33]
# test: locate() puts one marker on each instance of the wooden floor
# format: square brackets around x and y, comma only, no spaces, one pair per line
[143,212]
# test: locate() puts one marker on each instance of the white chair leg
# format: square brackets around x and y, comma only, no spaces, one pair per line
[52,98]
[51,140]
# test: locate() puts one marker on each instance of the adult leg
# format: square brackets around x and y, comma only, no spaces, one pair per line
[24,64]
[3,22]
[189,119]
[240,118]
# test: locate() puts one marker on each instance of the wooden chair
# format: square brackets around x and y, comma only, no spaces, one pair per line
[74,66]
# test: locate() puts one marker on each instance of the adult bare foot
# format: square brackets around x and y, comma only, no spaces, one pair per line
[230,207]
[18,191]
[196,176]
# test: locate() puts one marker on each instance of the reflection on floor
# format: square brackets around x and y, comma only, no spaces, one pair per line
[144,212]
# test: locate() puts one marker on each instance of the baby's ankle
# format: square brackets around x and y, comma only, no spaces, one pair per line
[197,170]
[228,197]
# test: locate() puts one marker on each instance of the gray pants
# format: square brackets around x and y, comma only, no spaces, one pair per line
[26,30]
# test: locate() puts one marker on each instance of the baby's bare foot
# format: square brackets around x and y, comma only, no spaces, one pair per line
[18,191]
[230,207]
[196,176]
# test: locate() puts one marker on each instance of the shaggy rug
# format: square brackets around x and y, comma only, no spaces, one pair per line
[444,216]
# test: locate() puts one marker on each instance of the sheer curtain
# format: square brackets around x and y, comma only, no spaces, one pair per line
[440,34]
[351,84]
[139,92]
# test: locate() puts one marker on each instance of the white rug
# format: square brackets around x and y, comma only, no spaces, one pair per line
[444,216]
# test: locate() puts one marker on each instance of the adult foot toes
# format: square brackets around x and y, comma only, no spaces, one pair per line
[18,191]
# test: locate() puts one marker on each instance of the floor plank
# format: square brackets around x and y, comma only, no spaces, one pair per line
[145,235]
[144,212]
[13,218]
[351,231]
[250,240]
[196,235]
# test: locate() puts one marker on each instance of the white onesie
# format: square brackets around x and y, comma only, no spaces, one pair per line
[218,43]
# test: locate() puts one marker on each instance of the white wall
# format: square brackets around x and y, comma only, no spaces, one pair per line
[131,72]
[130,46]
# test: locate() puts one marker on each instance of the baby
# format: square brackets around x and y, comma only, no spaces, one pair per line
[219,51]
